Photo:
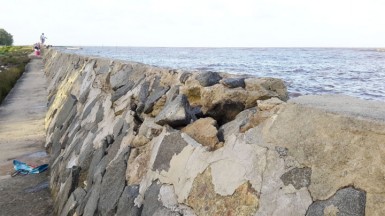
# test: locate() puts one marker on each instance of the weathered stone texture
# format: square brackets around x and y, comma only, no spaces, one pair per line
[171,145]
[132,139]
[176,113]
[204,131]
[347,201]
[205,201]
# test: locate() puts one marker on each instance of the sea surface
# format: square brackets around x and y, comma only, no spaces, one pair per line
[358,72]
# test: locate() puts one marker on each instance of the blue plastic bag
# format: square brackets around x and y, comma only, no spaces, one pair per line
[25,169]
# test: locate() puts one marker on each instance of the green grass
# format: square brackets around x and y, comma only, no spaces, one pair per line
[14,59]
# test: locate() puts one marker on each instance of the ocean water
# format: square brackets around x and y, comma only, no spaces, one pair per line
[356,72]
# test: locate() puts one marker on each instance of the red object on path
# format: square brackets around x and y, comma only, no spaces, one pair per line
[37,52]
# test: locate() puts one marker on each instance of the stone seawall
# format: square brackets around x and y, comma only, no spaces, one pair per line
[131,139]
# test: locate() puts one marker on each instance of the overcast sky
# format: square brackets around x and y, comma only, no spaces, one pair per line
[197,23]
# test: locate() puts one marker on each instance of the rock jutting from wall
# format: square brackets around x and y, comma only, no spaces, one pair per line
[127,138]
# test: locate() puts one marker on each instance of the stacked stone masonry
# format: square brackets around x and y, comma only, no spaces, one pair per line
[132,139]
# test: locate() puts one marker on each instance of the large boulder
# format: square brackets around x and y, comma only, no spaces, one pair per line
[339,137]
[176,113]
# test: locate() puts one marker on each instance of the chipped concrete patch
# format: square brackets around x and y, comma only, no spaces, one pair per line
[205,201]
[276,198]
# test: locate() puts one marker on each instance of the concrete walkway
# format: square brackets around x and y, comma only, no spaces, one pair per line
[22,137]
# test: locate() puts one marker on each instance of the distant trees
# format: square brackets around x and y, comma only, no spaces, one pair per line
[6,39]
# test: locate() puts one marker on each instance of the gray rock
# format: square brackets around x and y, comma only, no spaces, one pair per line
[172,93]
[233,82]
[126,204]
[176,113]
[120,78]
[183,78]
[171,145]
[99,115]
[155,83]
[112,150]
[69,186]
[143,93]
[64,112]
[347,201]
[72,202]
[76,129]
[234,126]
[149,129]
[89,108]
[109,139]
[102,69]
[119,92]
[154,97]
[98,154]
[112,186]
[85,155]
[151,202]
[55,146]
[165,212]
[92,201]
[118,127]
[298,177]
[100,168]
[208,78]
[69,206]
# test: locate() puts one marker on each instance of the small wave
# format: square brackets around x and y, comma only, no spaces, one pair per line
[297,70]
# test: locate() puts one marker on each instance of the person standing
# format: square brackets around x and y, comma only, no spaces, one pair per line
[42,38]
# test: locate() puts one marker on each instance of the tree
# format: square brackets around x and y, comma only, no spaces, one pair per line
[6,39]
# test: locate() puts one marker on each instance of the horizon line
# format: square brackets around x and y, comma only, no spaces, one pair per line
[219,47]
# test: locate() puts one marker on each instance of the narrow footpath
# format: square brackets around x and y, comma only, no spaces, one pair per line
[22,137]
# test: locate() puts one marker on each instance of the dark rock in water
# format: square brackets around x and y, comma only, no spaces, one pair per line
[298,177]
[171,145]
[234,82]
[346,202]
[183,78]
[126,204]
[151,202]
[112,186]
[154,96]
[208,78]
[176,113]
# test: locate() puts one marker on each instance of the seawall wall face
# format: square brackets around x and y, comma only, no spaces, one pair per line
[131,139]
